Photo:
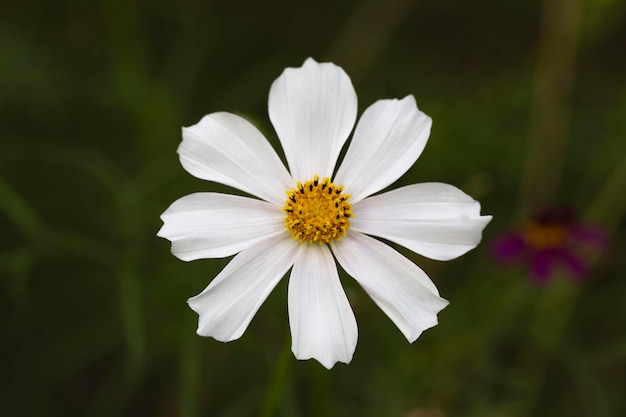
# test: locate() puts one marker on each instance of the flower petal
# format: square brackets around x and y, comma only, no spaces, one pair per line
[313,109]
[226,148]
[542,264]
[228,304]
[398,286]
[588,234]
[322,324]
[436,220]
[214,225]
[576,265]
[508,247]
[388,139]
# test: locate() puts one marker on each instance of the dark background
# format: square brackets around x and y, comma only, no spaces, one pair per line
[528,101]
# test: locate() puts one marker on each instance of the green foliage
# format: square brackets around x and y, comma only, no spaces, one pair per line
[94,319]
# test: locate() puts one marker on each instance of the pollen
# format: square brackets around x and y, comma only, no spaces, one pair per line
[317,211]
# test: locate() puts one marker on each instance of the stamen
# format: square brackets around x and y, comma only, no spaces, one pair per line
[543,236]
[315,213]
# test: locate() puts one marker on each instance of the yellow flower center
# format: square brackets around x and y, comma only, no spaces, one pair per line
[317,211]
[543,236]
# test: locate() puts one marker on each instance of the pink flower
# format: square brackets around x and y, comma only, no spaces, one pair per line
[549,241]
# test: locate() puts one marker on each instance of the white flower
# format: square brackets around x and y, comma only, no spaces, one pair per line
[313,110]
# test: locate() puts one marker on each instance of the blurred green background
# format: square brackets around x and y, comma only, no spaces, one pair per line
[528,101]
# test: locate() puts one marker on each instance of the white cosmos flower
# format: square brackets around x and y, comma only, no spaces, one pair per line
[300,219]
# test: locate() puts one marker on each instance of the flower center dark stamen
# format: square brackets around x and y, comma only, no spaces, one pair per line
[543,236]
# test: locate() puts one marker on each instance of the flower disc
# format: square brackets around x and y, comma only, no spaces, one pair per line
[317,211]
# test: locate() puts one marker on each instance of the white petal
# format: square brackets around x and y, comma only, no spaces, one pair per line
[228,304]
[226,148]
[388,139]
[214,225]
[436,220]
[313,109]
[397,285]
[322,324]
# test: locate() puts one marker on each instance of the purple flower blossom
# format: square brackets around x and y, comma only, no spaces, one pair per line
[550,241]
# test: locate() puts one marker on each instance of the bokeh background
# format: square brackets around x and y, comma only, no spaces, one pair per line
[528,100]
